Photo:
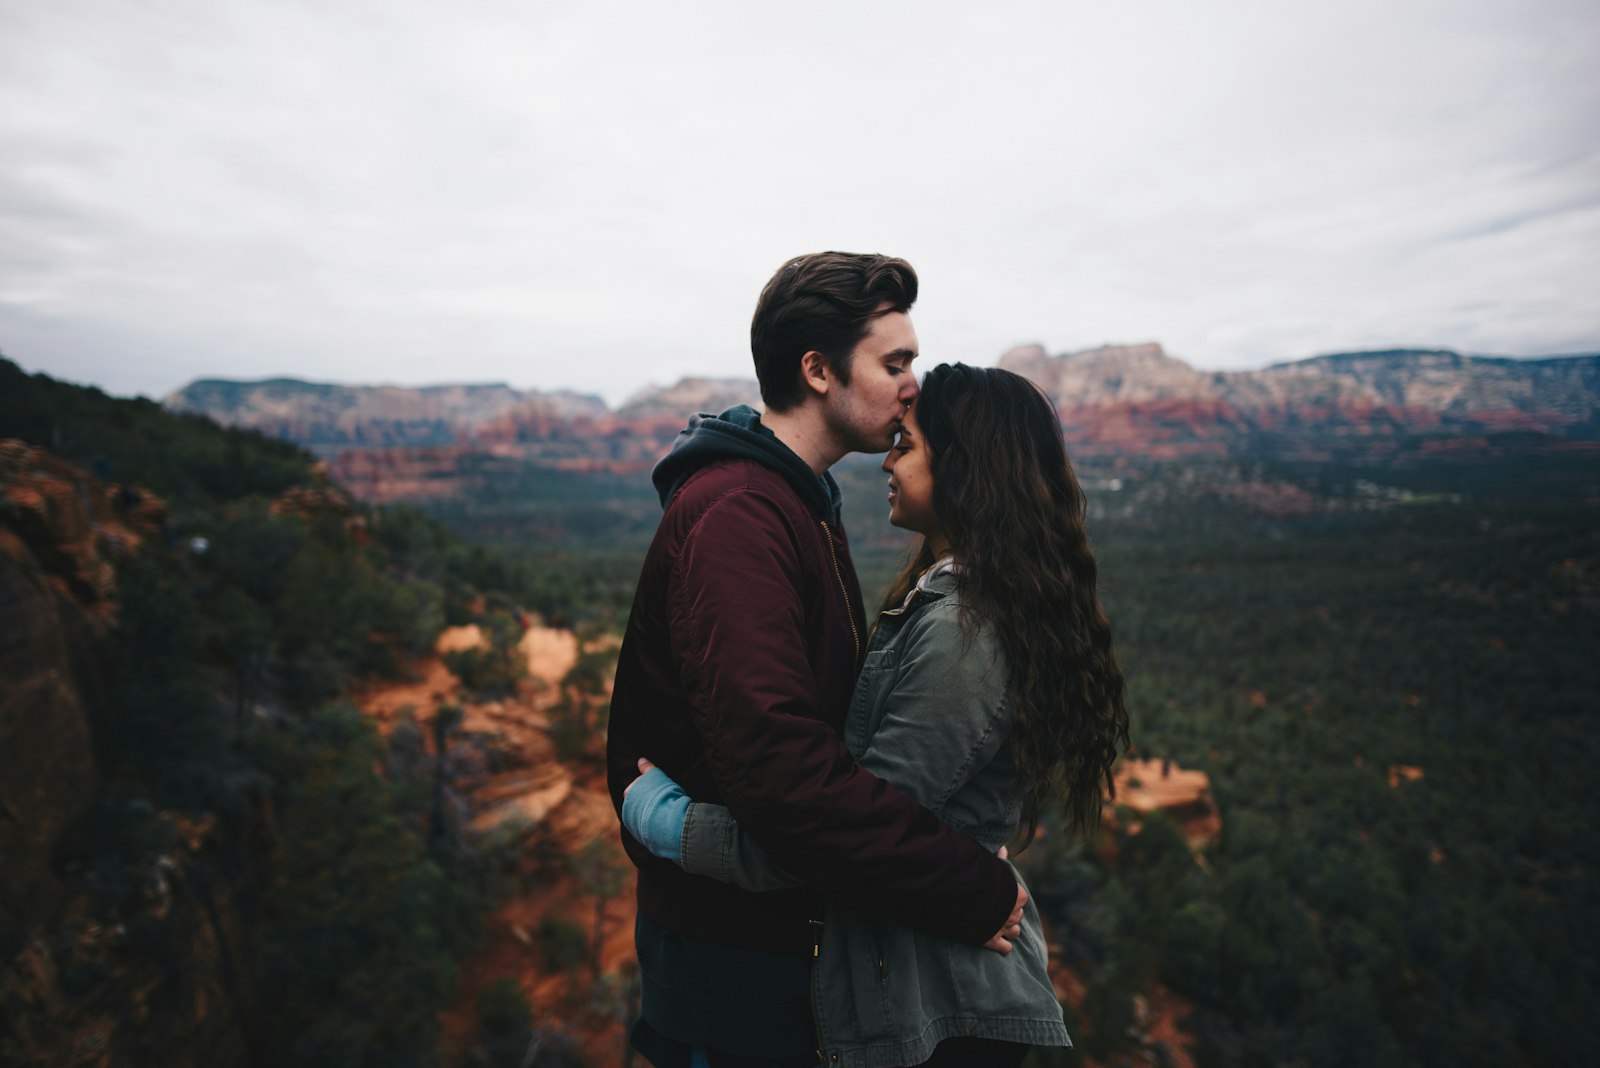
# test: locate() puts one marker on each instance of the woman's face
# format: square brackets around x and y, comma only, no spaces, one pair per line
[910,469]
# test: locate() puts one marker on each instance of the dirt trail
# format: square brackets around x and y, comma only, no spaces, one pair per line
[551,653]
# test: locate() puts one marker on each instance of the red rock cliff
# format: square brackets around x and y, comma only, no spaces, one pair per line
[162,984]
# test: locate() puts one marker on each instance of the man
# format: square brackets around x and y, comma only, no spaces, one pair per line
[741,651]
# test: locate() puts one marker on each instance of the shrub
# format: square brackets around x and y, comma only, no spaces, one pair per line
[564,944]
[505,1023]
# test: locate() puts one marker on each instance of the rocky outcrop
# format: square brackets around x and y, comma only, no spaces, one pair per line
[67,521]
[57,599]
[505,770]
[537,799]
[1183,796]
[323,501]
[48,766]
[165,985]
[75,988]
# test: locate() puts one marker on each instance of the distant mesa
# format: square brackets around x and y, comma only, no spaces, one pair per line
[1136,400]
[689,396]
[390,443]
[1117,404]
[323,415]
[1111,374]
[330,418]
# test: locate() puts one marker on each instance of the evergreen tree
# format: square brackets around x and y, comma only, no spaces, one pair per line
[358,959]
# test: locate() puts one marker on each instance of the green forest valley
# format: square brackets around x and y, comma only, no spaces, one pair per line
[289,779]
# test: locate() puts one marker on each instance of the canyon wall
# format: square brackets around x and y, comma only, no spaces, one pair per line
[164,979]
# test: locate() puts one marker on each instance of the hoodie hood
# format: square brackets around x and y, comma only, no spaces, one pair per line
[738,434]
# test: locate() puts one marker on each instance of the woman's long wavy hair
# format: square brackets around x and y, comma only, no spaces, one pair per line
[1007,499]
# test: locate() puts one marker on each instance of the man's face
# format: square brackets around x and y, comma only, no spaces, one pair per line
[865,415]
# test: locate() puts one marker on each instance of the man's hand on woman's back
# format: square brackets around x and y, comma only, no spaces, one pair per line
[1001,942]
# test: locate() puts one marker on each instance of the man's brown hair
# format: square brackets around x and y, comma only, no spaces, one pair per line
[824,301]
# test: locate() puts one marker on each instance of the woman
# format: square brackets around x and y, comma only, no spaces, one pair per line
[989,693]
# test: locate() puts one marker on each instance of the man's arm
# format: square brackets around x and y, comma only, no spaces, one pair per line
[700,838]
[703,839]
[740,643]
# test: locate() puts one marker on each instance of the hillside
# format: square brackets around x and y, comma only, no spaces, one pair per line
[291,774]
[212,855]
[1391,710]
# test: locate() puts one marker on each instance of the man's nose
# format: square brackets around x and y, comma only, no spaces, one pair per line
[909,391]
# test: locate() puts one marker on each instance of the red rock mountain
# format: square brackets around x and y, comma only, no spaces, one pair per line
[1116,402]
[387,443]
[323,416]
[1137,400]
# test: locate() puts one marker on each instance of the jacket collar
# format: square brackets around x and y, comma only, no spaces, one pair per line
[738,432]
[938,581]
[941,577]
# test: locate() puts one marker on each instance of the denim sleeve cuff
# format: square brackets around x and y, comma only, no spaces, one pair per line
[707,844]
[653,811]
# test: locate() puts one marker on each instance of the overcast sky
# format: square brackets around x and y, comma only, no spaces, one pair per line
[590,195]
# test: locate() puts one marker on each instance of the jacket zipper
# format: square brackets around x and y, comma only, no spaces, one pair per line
[816,925]
[816,1016]
[850,609]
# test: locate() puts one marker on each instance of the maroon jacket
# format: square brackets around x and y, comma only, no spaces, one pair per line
[735,674]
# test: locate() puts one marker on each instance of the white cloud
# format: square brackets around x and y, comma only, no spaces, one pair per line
[591,196]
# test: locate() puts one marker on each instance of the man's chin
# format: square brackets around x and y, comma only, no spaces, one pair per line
[873,445]
[867,441]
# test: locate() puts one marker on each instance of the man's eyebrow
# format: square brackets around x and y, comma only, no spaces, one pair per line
[900,354]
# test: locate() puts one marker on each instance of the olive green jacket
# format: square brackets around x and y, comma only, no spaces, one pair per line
[929,714]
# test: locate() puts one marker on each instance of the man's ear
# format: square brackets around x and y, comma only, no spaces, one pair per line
[816,373]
